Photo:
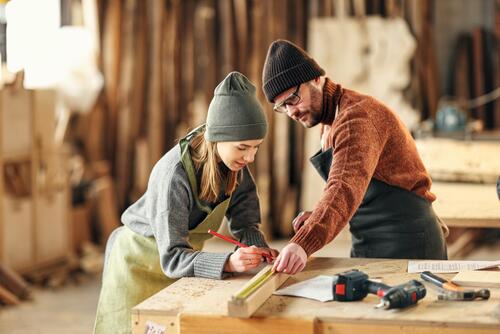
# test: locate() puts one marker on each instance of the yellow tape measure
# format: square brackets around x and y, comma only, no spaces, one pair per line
[254,285]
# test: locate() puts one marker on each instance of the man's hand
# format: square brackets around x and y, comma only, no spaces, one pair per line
[291,260]
[300,219]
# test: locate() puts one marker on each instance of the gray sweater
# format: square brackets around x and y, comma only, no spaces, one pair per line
[167,211]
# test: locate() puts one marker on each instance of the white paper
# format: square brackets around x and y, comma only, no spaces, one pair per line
[449,266]
[318,288]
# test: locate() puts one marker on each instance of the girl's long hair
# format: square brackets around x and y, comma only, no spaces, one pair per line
[205,157]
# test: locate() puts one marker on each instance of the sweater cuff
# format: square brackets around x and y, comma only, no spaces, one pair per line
[254,238]
[210,265]
[307,241]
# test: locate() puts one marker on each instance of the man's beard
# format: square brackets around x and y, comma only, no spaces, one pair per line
[316,111]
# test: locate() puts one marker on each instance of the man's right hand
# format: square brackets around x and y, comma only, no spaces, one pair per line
[300,219]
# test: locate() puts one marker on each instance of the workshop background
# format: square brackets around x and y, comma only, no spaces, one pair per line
[95,92]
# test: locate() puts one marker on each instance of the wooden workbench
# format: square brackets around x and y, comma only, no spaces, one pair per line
[196,305]
[467,204]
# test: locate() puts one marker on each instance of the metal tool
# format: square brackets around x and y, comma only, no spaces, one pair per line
[448,290]
[354,285]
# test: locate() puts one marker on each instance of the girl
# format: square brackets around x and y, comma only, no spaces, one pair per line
[190,190]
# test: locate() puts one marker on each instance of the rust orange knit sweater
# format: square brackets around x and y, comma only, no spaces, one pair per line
[369,140]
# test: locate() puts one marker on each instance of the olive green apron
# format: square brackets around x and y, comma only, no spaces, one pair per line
[133,272]
[391,222]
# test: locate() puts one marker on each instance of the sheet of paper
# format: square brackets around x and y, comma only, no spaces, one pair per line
[318,288]
[417,266]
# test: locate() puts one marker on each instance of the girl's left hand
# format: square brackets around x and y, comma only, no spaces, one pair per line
[272,254]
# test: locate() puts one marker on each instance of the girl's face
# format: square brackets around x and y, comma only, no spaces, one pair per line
[237,154]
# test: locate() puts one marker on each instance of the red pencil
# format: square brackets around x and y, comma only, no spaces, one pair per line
[237,243]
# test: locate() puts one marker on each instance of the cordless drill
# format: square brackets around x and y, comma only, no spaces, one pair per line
[354,285]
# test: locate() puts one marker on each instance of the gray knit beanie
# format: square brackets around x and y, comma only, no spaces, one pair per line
[234,113]
[286,66]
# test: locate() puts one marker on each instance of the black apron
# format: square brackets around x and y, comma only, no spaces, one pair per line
[391,222]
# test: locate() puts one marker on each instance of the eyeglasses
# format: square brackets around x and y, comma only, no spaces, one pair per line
[291,100]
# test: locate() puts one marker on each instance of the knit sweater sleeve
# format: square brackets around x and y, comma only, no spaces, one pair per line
[170,229]
[244,212]
[357,148]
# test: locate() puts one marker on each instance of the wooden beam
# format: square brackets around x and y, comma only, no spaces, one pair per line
[14,282]
[244,308]
[206,323]
[7,297]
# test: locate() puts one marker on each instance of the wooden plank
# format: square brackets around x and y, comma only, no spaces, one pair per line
[7,297]
[171,68]
[242,27]
[206,53]
[52,234]
[188,63]
[44,109]
[467,204]
[14,282]
[228,38]
[155,130]
[497,64]
[478,68]
[106,206]
[245,308]
[124,148]
[142,168]
[206,324]
[463,161]
[338,326]
[481,278]
[17,121]
[17,224]
[111,67]
[259,40]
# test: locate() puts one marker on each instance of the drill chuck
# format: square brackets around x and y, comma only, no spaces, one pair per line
[403,295]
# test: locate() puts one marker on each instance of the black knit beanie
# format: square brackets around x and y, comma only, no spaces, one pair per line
[286,66]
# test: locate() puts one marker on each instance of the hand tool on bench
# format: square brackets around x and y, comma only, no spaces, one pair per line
[448,290]
[354,285]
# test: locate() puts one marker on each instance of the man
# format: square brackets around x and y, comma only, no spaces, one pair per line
[375,179]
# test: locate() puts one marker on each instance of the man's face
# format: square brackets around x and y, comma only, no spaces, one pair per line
[304,105]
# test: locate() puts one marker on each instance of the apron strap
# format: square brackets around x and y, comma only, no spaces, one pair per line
[187,162]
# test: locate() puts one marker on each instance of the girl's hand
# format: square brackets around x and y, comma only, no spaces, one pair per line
[272,254]
[244,259]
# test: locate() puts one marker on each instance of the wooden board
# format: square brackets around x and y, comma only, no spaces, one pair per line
[465,161]
[17,128]
[467,204]
[205,324]
[482,278]
[204,301]
[245,308]
[52,227]
[17,245]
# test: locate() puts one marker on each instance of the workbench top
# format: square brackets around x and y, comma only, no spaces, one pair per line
[467,204]
[195,305]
